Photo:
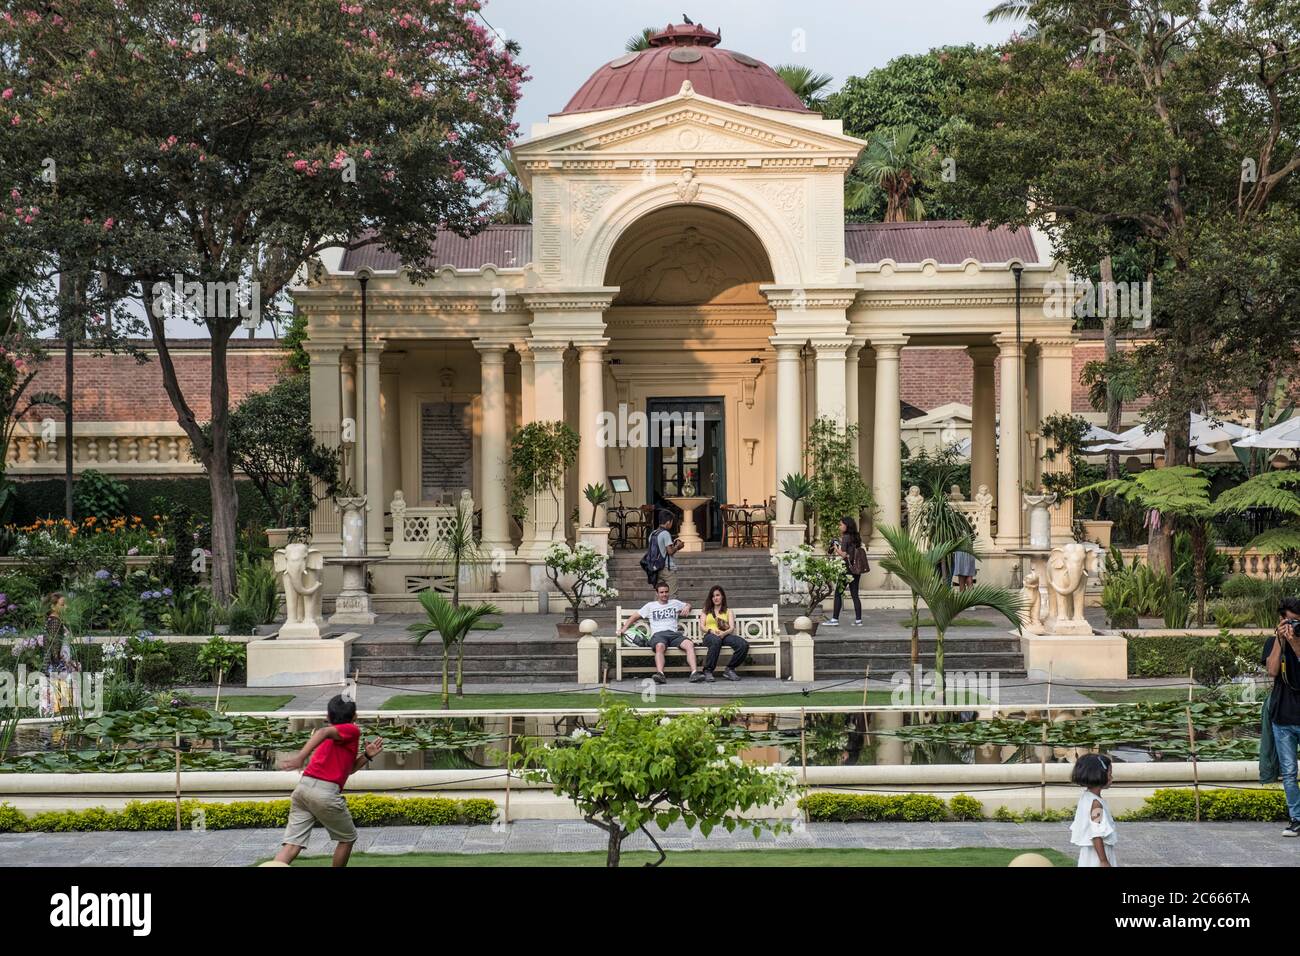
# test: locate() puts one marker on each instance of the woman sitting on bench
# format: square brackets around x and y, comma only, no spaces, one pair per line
[718,628]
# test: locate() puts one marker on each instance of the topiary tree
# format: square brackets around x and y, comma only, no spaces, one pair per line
[638,767]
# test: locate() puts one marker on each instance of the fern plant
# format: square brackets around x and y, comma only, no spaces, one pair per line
[1178,493]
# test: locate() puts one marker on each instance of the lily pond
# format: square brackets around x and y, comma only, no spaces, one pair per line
[151,739]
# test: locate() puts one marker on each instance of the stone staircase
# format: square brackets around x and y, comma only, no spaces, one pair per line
[747,575]
[486,662]
[837,655]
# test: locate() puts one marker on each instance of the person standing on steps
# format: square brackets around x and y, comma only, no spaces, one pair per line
[663,613]
[663,540]
[718,628]
[848,548]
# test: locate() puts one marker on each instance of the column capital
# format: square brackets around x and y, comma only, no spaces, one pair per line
[319,354]
[808,298]
[492,349]
[1008,346]
[832,345]
[787,346]
[982,354]
[888,346]
[547,347]
[1056,346]
[588,349]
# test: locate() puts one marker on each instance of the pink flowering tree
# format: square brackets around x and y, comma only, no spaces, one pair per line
[230,143]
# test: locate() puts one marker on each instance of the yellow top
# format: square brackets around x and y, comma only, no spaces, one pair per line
[711,621]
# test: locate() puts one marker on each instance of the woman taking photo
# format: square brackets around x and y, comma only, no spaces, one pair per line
[848,548]
[718,626]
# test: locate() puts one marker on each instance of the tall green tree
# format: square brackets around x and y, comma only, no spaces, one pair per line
[898,166]
[229,147]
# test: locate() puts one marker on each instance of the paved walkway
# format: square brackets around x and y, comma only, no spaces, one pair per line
[1141,844]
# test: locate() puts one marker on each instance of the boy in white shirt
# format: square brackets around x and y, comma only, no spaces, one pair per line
[663,613]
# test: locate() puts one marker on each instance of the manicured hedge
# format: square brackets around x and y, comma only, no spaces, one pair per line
[876,808]
[1170,655]
[44,498]
[1261,806]
[368,810]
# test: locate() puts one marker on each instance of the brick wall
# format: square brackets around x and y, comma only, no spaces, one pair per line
[109,388]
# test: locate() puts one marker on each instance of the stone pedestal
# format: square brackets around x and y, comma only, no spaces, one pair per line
[588,653]
[352,606]
[1065,656]
[281,662]
[689,534]
[1040,519]
[595,538]
[801,651]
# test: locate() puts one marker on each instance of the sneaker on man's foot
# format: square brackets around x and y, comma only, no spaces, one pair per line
[832,622]
[729,674]
[659,678]
[708,677]
[1293,829]
[696,677]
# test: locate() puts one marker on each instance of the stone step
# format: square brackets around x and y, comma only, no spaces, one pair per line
[470,678]
[549,666]
[485,649]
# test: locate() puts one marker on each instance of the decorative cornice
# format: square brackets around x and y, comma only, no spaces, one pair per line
[797,299]
[595,300]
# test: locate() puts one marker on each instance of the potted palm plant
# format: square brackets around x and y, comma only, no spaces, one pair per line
[452,624]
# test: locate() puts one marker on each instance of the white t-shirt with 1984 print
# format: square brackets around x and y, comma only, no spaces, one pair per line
[662,617]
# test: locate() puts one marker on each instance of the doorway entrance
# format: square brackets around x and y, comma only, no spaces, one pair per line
[688,458]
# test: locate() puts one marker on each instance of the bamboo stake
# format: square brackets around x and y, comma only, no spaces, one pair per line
[216,706]
[1191,742]
[510,749]
[178,782]
[866,680]
[1042,750]
[803,751]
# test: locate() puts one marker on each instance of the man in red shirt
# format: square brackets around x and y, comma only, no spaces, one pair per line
[318,798]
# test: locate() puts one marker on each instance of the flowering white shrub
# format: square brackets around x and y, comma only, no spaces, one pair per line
[821,574]
[580,574]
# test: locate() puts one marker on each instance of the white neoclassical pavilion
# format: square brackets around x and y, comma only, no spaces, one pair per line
[688,253]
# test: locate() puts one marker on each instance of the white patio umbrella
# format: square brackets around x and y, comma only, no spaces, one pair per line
[1282,435]
[1205,431]
[1097,434]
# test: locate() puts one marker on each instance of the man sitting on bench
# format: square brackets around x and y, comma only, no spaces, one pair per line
[662,613]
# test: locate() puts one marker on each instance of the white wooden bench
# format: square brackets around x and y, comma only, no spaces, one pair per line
[757,625]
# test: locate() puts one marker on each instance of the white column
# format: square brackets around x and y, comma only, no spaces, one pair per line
[495,533]
[591,403]
[1010,440]
[372,456]
[789,419]
[548,406]
[1056,397]
[887,458]
[832,399]
[391,427]
[983,426]
[326,385]
[866,412]
[852,397]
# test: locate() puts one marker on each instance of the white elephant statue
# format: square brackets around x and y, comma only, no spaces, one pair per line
[300,567]
[1068,568]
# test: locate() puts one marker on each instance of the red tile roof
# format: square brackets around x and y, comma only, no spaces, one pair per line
[948,243]
[679,53]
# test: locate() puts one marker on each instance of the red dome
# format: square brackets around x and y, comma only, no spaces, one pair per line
[678,53]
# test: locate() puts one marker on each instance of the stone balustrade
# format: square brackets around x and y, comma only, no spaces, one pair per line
[416,529]
[978,513]
[119,448]
[1254,564]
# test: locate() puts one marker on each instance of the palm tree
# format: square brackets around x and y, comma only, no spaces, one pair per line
[458,547]
[919,569]
[640,41]
[516,201]
[898,165]
[1009,10]
[805,83]
[452,624]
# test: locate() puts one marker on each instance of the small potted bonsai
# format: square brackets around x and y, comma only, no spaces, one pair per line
[820,574]
[581,575]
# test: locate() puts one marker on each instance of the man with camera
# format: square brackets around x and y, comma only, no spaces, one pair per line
[1282,660]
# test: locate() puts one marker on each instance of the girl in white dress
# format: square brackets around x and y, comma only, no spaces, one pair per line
[1093,829]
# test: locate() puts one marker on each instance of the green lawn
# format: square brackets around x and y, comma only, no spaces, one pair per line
[591,700]
[958,857]
[241,703]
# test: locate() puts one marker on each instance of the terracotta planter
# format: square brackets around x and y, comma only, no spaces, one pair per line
[567,631]
[1098,531]
[278,537]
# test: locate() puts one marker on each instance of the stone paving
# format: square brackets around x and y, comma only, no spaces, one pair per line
[1141,844]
